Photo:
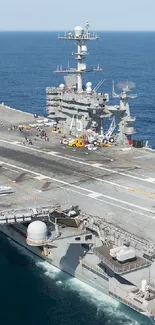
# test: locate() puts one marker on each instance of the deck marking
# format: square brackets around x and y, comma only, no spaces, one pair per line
[150,180]
[97,165]
[94,195]
[53,153]
[86,190]
[41,177]
[142,192]
[112,204]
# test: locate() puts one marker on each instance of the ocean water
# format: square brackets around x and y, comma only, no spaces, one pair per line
[27,62]
[32,291]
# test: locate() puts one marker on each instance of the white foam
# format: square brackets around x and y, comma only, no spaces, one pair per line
[59,282]
[50,270]
[103,302]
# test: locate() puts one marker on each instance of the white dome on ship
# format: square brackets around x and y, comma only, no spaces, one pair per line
[61,86]
[78,30]
[37,231]
[88,84]
[88,87]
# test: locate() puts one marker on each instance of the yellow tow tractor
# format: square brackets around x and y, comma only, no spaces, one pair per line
[24,127]
[102,144]
[78,143]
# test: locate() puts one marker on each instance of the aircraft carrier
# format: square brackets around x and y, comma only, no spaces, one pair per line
[89,213]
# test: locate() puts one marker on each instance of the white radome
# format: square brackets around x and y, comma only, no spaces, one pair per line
[37,231]
[61,86]
[78,30]
[88,84]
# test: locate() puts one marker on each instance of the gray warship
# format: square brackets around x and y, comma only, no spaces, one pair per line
[89,213]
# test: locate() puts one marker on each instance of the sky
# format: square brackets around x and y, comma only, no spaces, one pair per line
[65,14]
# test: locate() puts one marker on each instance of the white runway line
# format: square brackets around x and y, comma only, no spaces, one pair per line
[94,194]
[98,166]
[41,177]
[112,204]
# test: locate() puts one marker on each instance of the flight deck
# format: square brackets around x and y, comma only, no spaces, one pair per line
[116,183]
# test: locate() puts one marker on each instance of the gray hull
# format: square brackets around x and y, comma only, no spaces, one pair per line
[85,276]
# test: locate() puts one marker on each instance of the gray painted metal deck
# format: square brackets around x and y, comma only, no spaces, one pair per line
[111,183]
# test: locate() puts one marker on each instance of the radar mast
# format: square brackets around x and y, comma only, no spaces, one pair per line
[80,36]
[126,130]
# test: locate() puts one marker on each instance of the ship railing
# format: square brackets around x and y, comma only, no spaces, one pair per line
[151,283]
[83,37]
[69,234]
[123,268]
[94,267]
[101,224]
[127,302]
[24,215]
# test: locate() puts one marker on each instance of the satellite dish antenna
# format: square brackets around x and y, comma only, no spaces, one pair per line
[126,85]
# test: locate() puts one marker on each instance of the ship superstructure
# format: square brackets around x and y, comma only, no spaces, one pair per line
[74,105]
[78,107]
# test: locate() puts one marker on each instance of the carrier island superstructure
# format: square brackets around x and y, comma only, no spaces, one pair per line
[77,106]
[90,214]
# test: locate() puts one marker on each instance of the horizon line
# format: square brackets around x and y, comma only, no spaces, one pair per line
[55,30]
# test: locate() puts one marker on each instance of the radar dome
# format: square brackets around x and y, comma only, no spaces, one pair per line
[36,233]
[88,84]
[78,30]
[88,87]
[61,86]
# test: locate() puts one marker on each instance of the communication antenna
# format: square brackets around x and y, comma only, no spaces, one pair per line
[99,85]
[126,87]
[79,36]
[87,26]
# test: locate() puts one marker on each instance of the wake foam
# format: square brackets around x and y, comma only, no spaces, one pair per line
[103,303]
[49,270]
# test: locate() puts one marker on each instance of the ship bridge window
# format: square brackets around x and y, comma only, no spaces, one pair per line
[78,238]
[88,237]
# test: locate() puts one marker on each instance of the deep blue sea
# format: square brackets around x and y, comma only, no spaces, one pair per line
[31,291]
